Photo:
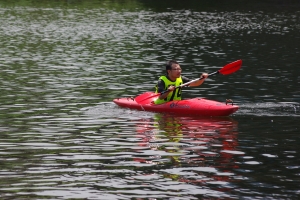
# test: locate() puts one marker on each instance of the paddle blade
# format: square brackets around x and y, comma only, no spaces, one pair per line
[231,67]
[146,97]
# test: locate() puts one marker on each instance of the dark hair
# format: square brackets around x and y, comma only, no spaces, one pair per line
[169,64]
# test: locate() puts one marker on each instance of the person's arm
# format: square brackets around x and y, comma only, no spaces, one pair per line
[199,82]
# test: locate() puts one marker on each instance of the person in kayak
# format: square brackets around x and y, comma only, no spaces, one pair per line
[172,80]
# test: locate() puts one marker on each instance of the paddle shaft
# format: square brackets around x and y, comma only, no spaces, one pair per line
[192,81]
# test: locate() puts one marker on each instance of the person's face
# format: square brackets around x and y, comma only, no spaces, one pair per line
[175,71]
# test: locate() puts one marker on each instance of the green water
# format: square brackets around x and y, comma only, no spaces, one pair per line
[63,62]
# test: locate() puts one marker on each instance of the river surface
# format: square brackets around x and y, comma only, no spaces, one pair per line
[63,62]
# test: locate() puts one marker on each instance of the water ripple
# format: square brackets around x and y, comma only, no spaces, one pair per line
[62,137]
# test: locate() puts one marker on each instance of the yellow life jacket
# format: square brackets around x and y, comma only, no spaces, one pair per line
[174,95]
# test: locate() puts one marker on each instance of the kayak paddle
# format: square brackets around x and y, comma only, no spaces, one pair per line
[227,69]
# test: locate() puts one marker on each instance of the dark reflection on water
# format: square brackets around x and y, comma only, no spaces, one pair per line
[63,63]
[271,156]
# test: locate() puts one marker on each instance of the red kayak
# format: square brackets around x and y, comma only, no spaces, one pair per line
[194,106]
